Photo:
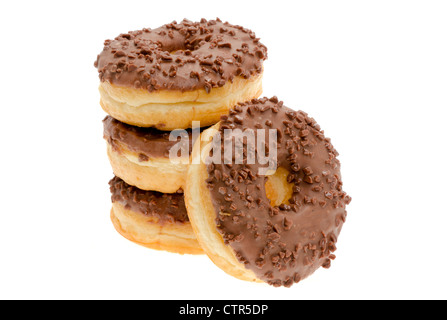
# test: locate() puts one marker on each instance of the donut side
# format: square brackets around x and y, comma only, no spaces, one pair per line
[200,211]
[170,110]
[157,174]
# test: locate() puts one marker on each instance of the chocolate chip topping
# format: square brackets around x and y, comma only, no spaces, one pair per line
[181,56]
[282,244]
[169,208]
[147,142]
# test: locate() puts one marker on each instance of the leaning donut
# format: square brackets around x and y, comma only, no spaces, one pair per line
[142,156]
[179,73]
[152,219]
[278,228]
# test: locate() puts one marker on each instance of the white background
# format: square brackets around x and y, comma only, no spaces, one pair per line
[372,73]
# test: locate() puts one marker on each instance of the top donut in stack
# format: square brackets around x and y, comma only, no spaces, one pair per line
[180,72]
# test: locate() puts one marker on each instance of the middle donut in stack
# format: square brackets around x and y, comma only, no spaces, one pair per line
[155,81]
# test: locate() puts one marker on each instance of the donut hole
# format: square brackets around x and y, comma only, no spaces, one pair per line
[173,48]
[277,189]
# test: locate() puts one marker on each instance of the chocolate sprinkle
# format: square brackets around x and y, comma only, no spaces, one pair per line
[181,56]
[285,244]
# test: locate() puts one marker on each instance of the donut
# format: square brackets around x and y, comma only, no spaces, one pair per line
[152,219]
[278,226]
[179,73]
[141,156]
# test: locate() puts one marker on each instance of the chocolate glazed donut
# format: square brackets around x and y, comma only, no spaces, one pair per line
[141,156]
[179,73]
[279,228]
[152,219]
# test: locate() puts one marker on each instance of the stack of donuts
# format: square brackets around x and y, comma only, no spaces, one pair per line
[277,227]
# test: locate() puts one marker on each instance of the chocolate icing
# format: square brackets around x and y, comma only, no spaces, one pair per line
[284,244]
[181,56]
[147,142]
[169,208]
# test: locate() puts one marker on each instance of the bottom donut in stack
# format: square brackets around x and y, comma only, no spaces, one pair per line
[148,205]
[152,219]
